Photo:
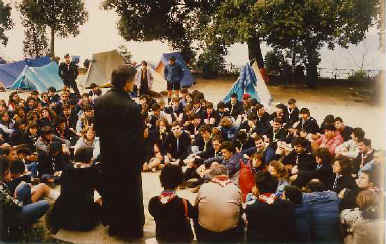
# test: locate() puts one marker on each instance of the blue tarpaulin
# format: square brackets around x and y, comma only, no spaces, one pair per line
[38,62]
[250,84]
[39,78]
[9,72]
[187,79]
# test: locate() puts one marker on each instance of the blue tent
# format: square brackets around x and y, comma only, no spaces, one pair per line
[249,82]
[39,78]
[9,72]
[75,59]
[187,79]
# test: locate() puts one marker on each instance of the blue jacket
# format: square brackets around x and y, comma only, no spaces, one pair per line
[232,164]
[229,133]
[268,154]
[173,73]
[303,223]
[323,210]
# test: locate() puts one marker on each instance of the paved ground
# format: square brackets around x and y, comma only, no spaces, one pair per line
[151,187]
[328,100]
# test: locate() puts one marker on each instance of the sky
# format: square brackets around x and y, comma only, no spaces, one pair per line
[100,34]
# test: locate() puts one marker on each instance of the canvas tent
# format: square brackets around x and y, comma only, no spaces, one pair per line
[251,81]
[187,79]
[10,71]
[39,78]
[102,65]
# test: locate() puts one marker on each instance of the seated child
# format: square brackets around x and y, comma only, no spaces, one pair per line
[32,164]
[20,185]
[256,161]
[277,214]
[153,158]
[14,212]
[171,213]
[18,175]
[75,208]
[53,163]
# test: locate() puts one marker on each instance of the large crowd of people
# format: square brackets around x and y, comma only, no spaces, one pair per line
[278,177]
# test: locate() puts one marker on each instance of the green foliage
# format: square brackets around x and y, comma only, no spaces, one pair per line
[358,76]
[274,61]
[6,22]
[188,55]
[35,41]
[176,22]
[300,27]
[210,63]
[63,17]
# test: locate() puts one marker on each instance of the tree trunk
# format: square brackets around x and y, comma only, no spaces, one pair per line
[293,62]
[254,51]
[52,46]
[312,66]
[255,55]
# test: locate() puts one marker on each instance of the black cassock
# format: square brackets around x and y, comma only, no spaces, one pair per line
[120,126]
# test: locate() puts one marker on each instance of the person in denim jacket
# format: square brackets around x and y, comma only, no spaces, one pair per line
[173,75]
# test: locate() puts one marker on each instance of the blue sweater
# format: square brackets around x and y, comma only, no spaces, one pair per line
[232,164]
[321,209]
[173,73]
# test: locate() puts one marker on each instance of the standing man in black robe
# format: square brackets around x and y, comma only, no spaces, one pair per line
[120,126]
[68,71]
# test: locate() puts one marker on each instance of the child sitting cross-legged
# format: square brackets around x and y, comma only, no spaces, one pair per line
[75,209]
[171,213]
[21,188]
[14,212]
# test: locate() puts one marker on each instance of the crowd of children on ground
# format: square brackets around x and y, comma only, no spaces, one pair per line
[277,177]
[261,177]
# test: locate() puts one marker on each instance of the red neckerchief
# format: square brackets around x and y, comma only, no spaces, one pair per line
[166,196]
[268,198]
[222,180]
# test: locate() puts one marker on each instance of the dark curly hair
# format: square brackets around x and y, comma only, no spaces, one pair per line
[325,155]
[4,166]
[228,145]
[171,176]
[345,165]
[121,75]
[84,154]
